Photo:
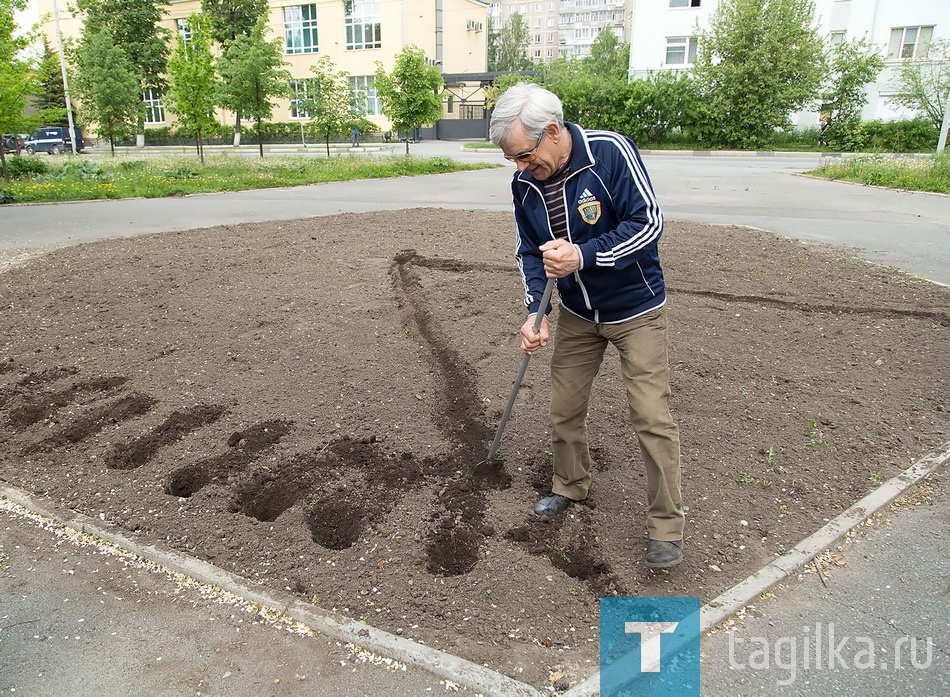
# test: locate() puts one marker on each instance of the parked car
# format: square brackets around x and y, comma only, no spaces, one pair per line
[12,142]
[54,140]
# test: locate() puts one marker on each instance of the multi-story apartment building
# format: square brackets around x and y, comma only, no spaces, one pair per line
[564,27]
[542,20]
[581,22]
[664,38]
[354,35]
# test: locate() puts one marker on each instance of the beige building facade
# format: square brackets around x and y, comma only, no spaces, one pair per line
[355,36]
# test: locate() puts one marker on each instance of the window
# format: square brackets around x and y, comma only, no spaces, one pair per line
[300,29]
[362,85]
[183,30]
[837,38]
[154,109]
[298,93]
[909,42]
[363,29]
[684,3]
[680,50]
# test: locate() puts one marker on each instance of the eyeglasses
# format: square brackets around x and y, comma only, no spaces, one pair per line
[528,155]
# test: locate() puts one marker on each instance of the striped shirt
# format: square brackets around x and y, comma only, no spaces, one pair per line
[554,200]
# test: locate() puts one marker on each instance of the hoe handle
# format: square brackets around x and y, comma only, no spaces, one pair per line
[548,289]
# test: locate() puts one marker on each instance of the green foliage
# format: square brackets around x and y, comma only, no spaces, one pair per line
[21,166]
[410,94]
[916,174]
[852,65]
[193,89]
[232,18]
[333,108]
[758,61]
[82,178]
[7,196]
[78,169]
[924,82]
[109,85]
[136,27]
[50,97]
[253,75]
[661,107]
[17,76]
[513,41]
[914,135]
[609,56]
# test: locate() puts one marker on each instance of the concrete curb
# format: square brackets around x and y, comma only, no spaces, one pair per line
[444,665]
[733,600]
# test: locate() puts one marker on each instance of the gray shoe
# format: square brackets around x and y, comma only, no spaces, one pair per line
[552,504]
[663,555]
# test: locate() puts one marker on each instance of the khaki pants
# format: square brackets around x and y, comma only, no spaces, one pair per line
[579,348]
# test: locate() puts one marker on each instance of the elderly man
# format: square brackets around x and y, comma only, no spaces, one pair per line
[586,215]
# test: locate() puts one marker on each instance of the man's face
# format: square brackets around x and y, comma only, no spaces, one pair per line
[540,157]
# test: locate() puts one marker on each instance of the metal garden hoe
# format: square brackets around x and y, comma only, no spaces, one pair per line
[490,461]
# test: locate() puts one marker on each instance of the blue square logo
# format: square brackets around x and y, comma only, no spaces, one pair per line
[649,646]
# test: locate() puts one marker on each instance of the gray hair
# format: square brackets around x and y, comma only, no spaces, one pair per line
[531,104]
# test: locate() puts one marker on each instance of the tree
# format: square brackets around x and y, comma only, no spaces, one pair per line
[50,98]
[757,62]
[18,77]
[851,66]
[253,75]
[609,56]
[109,84]
[135,26]
[330,103]
[229,20]
[410,94]
[492,37]
[513,41]
[193,84]
[923,83]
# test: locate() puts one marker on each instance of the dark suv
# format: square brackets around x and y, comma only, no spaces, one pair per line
[53,139]
[12,143]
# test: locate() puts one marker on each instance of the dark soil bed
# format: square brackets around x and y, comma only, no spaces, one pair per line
[304,403]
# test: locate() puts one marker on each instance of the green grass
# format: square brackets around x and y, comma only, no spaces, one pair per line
[84,178]
[915,174]
[486,145]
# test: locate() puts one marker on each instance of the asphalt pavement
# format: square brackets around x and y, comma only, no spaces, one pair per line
[860,608]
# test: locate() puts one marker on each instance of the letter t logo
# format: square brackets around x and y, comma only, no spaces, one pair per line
[649,641]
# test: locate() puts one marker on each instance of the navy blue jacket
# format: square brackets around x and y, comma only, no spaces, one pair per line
[615,220]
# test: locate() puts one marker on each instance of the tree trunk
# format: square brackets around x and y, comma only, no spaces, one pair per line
[260,138]
[328,143]
[237,128]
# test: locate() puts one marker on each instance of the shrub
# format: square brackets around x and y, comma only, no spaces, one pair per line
[25,166]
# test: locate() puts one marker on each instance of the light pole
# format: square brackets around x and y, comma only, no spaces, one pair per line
[62,66]
[942,143]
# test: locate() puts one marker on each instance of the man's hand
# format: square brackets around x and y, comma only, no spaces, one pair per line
[532,340]
[561,258]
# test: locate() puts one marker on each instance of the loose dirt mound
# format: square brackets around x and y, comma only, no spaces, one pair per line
[304,403]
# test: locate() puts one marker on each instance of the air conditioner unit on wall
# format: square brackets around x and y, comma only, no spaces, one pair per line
[472,25]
